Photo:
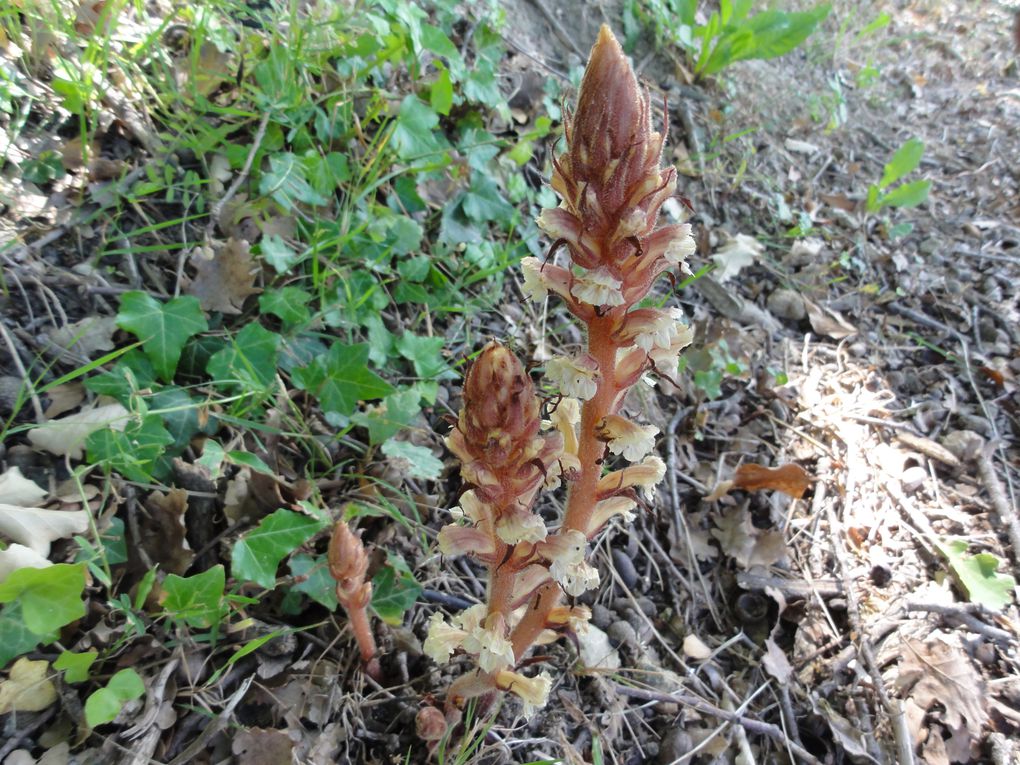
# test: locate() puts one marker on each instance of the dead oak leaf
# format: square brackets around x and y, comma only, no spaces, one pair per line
[224,276]
[164,533]
[789,479]
[939,672]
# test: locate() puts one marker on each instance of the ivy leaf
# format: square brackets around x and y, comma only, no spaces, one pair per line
[50,597]
[317,583]
[76,665]
[258,554]
[196,600]
[413,134]
[286,183]
[15,637]
[418,461]
[249,361]
[132,452]
[394,590]
[390,417]
[341,379]
[425,353]
[482,202]
[163,328]
[289,304]
[280,255]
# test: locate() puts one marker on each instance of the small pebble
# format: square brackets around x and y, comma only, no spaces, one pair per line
[786,304]
[621,633]
[965,445]
[913,478]
[625,568]
[601,616]
[675,744]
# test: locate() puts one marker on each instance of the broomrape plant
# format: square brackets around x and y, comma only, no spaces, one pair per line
[611,184]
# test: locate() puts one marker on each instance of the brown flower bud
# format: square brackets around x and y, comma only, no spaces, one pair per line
[348,565]
[501,412]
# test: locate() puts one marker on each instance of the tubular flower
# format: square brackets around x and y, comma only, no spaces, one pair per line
[491,644]
[598,287]
[607,509]
[667,359]
[645,475]
[533,691]
[650,328]
[542,278]
[465,540]
[573,376]
[628,438]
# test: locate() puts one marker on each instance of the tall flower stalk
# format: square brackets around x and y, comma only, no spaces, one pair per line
[612,186]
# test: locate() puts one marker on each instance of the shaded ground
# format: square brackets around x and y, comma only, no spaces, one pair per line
[881,360]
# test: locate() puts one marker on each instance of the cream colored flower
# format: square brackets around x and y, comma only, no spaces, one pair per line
[520,525]
[628,438]
[533,691]
[573,376]
[667,359]
[464,540]
[597,287]
[535,286]
[443,639]
[491,644]
[645,475]
[681,247]
[607,509]
[565,553]
[651,328]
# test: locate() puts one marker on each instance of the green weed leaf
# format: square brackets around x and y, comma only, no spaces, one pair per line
[425,353]
[163,328]
[906,195]
[905,160]
[978,575]
[318,584]
[104,705]
[50,597]
[341,379]
[196,600]
[258,554]
[132,452]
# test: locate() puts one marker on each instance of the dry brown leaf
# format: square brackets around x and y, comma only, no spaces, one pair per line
[695,648]
[789,479]
[939,673]
[257,746]
[165,541]
[825,321]
[15,489]
[739,252]
[85,337]
[67,435]
[775,662]
[28,688]
[63,398]
[224,277]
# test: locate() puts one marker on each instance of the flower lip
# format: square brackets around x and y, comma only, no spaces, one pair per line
[575,377]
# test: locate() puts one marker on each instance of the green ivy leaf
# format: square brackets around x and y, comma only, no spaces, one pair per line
[289,304]
[978,575]
[258,554]
[414,132]
[163,328]
[104,705]
[483,202]
[196,600]
[425,353]
[249,361]
[318,584]
[394,590]
[441,93]
[15,637]
[286,183]
[49,597]
[277,253]
[419,460]
[249,460]
[76,665]
[132,452]
[390,417]
[341,379]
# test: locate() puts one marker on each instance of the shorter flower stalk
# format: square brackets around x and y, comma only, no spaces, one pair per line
[612,187]
[348,565]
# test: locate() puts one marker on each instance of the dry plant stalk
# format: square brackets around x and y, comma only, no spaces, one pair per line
[348,565]
[612,185]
